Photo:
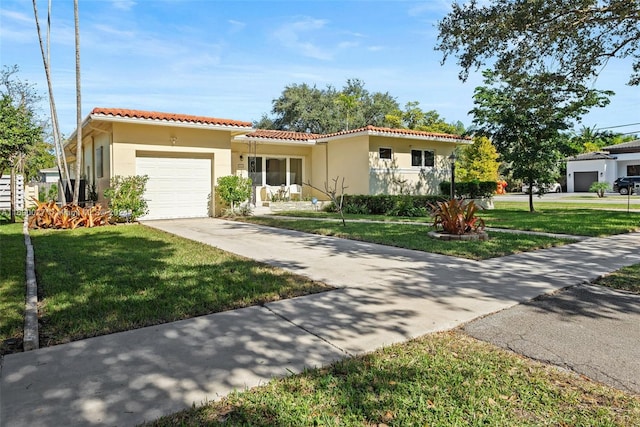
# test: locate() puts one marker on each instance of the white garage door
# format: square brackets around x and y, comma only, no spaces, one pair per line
[177,187]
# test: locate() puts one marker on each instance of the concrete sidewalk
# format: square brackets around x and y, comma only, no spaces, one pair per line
[385,295]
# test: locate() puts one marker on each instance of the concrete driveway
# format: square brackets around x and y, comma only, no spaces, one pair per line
[388,294]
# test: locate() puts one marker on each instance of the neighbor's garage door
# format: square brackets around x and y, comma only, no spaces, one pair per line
[177,187]
[583,180]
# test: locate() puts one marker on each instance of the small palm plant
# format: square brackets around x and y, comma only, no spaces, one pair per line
[600,188]
[456,217]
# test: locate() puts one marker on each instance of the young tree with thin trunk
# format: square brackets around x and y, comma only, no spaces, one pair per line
[335,194]
[523,114]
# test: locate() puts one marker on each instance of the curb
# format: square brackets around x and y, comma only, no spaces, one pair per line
[30,340]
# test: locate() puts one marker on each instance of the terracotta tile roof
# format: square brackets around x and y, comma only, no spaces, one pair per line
[281,135]
[625,147]
[392,132]
[303,136]
[168,117]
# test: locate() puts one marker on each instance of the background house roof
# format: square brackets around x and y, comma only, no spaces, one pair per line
[166,117]
[625,147]
[596,155]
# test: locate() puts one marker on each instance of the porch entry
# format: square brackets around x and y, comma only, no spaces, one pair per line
[275,175]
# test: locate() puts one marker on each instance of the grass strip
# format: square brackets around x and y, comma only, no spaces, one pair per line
[626,279]
[102,280]
[12,283]
[550,217]
[413,236]
[579,222]
[440,379]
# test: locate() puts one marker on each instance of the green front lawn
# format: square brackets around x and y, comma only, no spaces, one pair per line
[12,282]
[551,217]
[412,236]
[441,379]
[102,280]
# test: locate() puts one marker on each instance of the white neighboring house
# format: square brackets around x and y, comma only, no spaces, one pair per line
[612,162]
[49,175]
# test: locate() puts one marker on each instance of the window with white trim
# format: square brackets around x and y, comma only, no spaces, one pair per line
[100,162]
[423,158]
[275,171]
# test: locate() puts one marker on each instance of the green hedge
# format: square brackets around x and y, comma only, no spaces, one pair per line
[471,189]
[391,205]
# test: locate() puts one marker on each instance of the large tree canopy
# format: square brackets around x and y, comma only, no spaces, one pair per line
[18,132]
[524,116]
[24,98]
[304,108]
[413,117]
[576,37]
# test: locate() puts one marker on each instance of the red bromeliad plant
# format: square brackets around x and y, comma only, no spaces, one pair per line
[50,215]
[456,217]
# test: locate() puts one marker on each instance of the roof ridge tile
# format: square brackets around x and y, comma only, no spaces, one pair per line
[156,115]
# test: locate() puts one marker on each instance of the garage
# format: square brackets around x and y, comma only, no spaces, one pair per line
[583,180]
[178,187]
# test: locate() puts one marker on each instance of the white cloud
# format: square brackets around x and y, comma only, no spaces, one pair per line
[440,7]
[17,27]
[114,31]
[16,17]
[123,4]
[237,25]
[291,35]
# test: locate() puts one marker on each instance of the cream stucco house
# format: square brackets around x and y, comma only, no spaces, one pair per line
[184,155]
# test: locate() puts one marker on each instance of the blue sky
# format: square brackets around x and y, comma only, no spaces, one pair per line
[230,59]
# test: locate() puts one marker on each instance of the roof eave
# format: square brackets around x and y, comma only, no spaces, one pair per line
[370,132]
[246,139]
[172,123]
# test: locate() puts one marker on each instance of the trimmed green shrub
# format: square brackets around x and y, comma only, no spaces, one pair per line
[391,205]
[470,189]
[125,197]
[234,189]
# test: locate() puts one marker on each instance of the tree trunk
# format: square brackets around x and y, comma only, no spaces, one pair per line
[12,195]
[76,187]
[57,139]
